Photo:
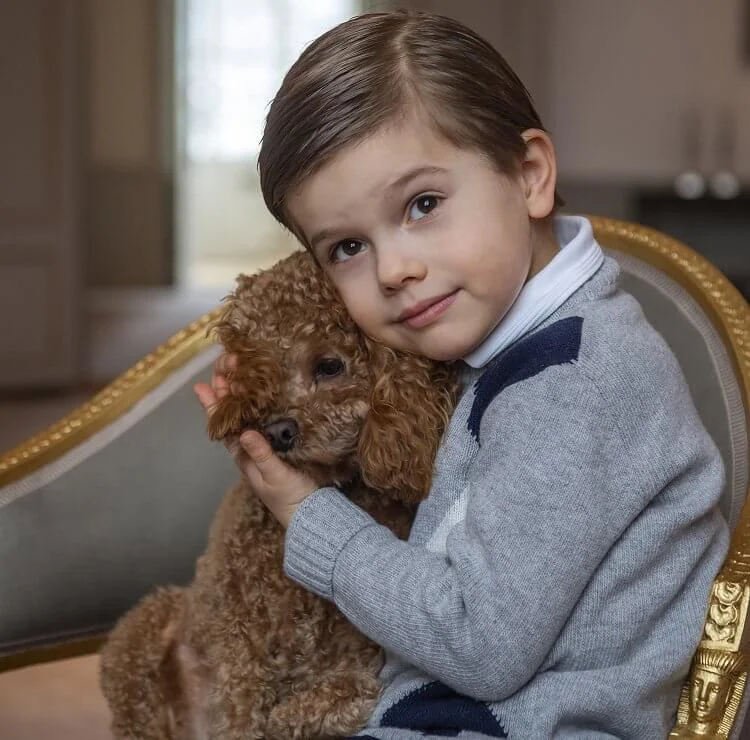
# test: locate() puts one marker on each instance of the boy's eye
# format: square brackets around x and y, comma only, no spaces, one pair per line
[328,367]
[346,249]
[422,205]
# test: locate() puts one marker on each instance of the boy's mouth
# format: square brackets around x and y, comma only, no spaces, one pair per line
[425,312]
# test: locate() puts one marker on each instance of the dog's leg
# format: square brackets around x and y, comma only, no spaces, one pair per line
[238,703]
[186,693]
[336,705]
[133,678]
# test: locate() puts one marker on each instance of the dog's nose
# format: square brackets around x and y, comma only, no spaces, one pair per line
[282,434]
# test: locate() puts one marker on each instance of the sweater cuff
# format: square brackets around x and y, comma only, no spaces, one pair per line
[318,532]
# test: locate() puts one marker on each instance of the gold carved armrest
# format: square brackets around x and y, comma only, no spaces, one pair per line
[712,695]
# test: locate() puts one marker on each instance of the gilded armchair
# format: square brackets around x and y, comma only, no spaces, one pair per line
[96,510]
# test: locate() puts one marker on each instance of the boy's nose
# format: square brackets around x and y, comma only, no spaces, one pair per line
[397,266]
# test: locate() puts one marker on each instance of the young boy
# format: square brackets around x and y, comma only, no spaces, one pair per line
[556,578]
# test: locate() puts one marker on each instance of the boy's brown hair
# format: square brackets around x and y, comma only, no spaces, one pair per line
[376,68]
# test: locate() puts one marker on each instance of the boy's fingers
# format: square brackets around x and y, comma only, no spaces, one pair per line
[259,451]
[220,384]
[225,363]
[222,366]
[257,447]
[206,395]
[208,399]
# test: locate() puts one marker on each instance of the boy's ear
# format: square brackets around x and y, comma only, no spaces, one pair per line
[539,173]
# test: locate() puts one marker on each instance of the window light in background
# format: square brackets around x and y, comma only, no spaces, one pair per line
[231,57]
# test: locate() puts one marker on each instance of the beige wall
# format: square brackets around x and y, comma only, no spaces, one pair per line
[623,77]
[614,80]
[129,209]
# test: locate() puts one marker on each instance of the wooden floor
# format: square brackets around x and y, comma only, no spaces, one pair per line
[54,701]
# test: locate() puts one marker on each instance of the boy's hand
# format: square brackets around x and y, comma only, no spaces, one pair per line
[281,488]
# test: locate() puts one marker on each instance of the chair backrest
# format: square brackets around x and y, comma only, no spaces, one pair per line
[706,322]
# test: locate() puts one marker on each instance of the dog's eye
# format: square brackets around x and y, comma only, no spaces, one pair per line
[329,367]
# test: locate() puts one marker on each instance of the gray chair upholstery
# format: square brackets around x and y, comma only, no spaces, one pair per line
[706,364]
[83,538]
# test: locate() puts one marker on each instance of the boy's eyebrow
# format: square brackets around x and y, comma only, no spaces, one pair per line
[412,174]
[323,235]
[397,184]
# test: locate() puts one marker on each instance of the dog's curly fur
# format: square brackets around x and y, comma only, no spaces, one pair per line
[243,652]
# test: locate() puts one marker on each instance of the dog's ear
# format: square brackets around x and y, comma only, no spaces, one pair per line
[253,388]
[226,417]
[255,380]
[411,402]
[237,319]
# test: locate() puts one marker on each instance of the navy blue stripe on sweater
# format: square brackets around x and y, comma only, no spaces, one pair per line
[556,344]
[435,709]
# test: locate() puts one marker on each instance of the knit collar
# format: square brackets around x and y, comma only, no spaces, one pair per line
[578,259]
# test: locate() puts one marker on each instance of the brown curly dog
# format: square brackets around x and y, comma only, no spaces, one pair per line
[243,652]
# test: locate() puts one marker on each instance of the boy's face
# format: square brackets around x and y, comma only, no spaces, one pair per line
[427,244]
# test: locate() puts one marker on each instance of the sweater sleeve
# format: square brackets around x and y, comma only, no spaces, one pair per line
[551,489]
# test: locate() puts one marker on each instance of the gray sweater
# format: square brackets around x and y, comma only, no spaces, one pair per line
[556,578]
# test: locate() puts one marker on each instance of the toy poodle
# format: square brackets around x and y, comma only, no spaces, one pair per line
[243,652]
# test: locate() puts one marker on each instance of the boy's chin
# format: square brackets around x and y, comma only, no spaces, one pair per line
[445,351]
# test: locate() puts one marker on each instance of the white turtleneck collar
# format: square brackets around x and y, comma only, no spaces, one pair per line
[578,259]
